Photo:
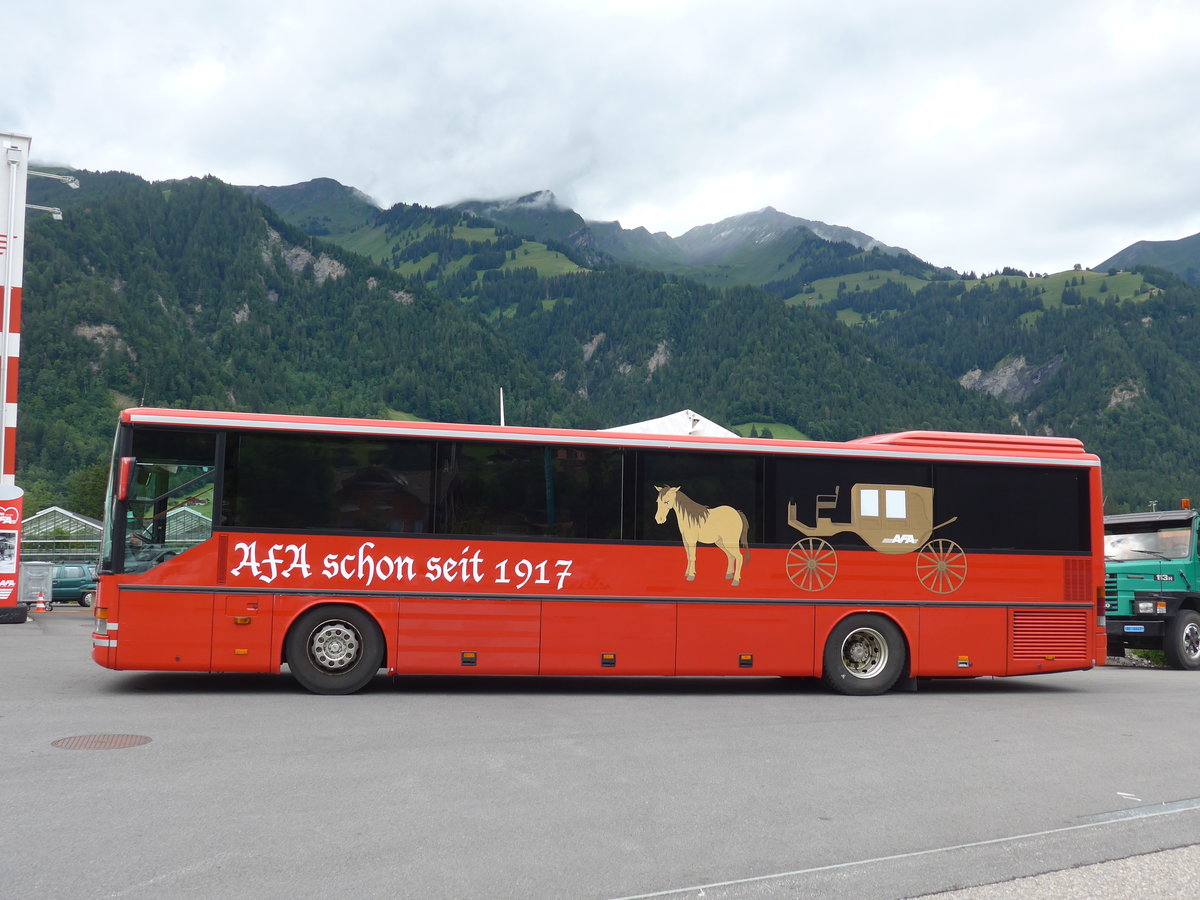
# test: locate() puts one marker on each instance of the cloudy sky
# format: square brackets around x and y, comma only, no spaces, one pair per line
[977,134]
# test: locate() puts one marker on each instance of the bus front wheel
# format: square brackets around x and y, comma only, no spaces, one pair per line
[334,649]
[1182,644]
[865,654]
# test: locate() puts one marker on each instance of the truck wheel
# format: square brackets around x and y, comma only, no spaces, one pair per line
[334,649]
[1182,644]
[865,654]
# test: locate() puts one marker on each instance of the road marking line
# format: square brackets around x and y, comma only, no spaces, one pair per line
[1162,809]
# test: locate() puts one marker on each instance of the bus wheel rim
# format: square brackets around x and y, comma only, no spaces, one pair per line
[864,653]
[334,646]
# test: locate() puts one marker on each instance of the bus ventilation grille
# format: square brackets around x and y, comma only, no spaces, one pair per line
[1038,634]
[1077,583]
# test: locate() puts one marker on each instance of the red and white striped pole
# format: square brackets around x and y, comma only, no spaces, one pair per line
[15,149]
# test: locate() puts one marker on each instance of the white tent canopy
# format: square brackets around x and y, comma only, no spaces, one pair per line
[683,422]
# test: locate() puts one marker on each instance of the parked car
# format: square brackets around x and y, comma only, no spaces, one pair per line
[74,584]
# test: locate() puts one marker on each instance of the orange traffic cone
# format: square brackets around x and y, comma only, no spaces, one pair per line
[41,602]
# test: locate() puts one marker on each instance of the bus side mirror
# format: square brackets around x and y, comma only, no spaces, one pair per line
[124,477]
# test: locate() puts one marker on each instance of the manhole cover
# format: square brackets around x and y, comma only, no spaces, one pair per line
[101,741]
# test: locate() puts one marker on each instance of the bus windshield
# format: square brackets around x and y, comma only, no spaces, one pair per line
[170,504]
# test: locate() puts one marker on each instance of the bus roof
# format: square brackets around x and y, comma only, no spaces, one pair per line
[964,446]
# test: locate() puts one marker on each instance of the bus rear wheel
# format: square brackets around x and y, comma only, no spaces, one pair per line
[865,654]
[1181,648]
[334,649]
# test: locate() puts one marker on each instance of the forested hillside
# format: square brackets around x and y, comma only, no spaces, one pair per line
[194,293]
[1057,352]
[1121,375]
[647,343]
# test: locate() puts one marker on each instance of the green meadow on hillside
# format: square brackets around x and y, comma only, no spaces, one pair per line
[1075,285]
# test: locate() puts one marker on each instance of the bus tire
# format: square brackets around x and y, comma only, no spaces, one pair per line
[13,615]
[334,649]
[865,654]
[1181,647]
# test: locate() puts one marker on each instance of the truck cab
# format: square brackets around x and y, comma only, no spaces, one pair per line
[1152,584]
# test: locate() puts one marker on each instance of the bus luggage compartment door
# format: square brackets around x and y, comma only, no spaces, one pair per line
[241,632]
[164,630]
[608,638]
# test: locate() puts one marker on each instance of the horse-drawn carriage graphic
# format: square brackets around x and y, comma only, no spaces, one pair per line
[891,518]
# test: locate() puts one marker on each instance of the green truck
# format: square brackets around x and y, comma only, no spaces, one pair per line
[1152,584]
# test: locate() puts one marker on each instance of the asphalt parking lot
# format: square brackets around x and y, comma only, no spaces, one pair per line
[188,785]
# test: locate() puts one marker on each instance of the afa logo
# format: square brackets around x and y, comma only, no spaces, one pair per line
[7,586]
[901,539]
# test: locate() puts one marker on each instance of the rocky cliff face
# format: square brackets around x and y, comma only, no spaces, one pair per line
[1012,379]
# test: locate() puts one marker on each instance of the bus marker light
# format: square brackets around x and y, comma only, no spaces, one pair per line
[469,657]
[608,660]
[241,652]
[241,620]
[746,661]
[964,662]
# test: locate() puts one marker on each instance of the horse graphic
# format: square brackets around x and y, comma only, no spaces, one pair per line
[724,526]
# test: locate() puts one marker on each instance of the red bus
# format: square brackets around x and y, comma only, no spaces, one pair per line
[340,548]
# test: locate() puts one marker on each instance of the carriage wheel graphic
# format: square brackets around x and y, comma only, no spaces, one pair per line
[811,564]
[942,566]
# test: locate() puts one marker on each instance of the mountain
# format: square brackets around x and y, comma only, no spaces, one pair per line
[194,293]
[637,246]
[197,293]
[1182,257]
[768,248]
[759,248]
[538,216]
[714,244]
[319,207]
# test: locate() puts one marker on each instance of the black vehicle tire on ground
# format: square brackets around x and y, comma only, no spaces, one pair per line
[86,599]
[865,654]
[334,649]
[13,615]
[1181,646]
